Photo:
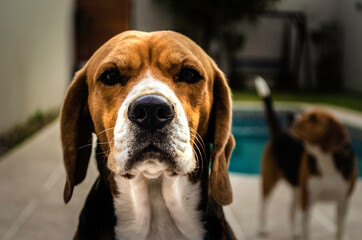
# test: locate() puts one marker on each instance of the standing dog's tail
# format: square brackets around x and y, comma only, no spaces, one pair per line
[264,91]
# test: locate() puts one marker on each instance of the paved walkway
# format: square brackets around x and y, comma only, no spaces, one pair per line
[32,207]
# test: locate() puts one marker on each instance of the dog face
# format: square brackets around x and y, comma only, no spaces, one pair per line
[321,128]
[149,98]
[135,92]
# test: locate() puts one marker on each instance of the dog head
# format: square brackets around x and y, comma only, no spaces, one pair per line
[321,128]
[149,98]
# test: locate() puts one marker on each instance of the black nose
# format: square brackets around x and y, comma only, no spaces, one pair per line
[150,112]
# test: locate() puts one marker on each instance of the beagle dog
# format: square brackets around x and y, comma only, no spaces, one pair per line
[314,156]
[156,103]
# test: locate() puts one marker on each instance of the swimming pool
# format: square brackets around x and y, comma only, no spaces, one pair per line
[251,134]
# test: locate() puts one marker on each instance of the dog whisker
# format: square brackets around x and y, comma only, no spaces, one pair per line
[198,139]
[91,144]
[105,130]
[200,162]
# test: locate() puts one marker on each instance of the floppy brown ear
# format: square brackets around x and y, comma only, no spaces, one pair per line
[335,138]
[223,140]
[76,133]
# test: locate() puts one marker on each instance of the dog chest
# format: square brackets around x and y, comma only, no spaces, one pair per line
[164,208]
[329,184]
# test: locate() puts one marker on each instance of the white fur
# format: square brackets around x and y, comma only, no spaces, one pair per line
[262,215]
[262,87]
[329,186]
[154,205]
[123,137]
[163,208]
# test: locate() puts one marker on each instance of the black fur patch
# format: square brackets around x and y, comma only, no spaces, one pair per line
[217,226]
[344,161]
[288,154]
[151,144]
[97,219]
[312,165]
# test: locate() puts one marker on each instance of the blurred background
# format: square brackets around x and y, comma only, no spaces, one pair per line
[309,51]
[294,44]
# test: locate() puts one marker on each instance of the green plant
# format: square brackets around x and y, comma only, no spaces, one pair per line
[22,131]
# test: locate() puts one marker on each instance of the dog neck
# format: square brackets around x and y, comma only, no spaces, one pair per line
[162,208]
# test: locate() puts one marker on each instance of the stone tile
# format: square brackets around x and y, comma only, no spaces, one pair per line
[24,170]
[33,175]
[2,232]
[52,216]
[245,209]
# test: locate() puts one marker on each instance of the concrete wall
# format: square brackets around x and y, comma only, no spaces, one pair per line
[36,57]
[265,38]
[146,16]
[317,10]
[351,19]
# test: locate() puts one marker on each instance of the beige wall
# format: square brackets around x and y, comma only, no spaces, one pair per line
[36,53]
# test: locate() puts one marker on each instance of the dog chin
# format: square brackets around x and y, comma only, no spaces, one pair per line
[150,168]
[151,162]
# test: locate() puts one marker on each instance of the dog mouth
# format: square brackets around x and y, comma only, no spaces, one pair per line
[151,149]
[151,161]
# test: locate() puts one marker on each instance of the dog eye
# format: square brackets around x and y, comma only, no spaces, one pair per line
[111,77]
[189,75]
[313,118]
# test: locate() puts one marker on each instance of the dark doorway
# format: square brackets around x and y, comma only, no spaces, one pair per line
[96,22]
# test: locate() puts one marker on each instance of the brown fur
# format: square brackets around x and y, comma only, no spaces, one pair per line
[269,171]
[317,127]
[321,128]
[91,106]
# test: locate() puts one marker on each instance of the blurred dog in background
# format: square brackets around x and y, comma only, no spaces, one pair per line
[314,156]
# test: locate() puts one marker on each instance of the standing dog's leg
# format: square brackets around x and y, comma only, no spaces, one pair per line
[342,206]
[305,223]
[302,223]
[293,210]
[262,215]
[270,177]
[306,202]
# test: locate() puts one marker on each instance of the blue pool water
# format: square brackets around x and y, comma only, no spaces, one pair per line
[251,135]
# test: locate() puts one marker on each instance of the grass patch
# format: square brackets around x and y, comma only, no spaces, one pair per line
[22,131]
[347,100]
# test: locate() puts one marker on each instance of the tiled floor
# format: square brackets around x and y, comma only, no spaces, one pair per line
[32,207]
[244,211]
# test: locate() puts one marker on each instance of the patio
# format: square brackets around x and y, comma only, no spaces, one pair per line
[32,206]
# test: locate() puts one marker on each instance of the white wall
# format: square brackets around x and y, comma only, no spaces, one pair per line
[352,23]
[35,57]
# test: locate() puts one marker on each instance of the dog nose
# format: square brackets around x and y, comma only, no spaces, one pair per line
[151,112]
